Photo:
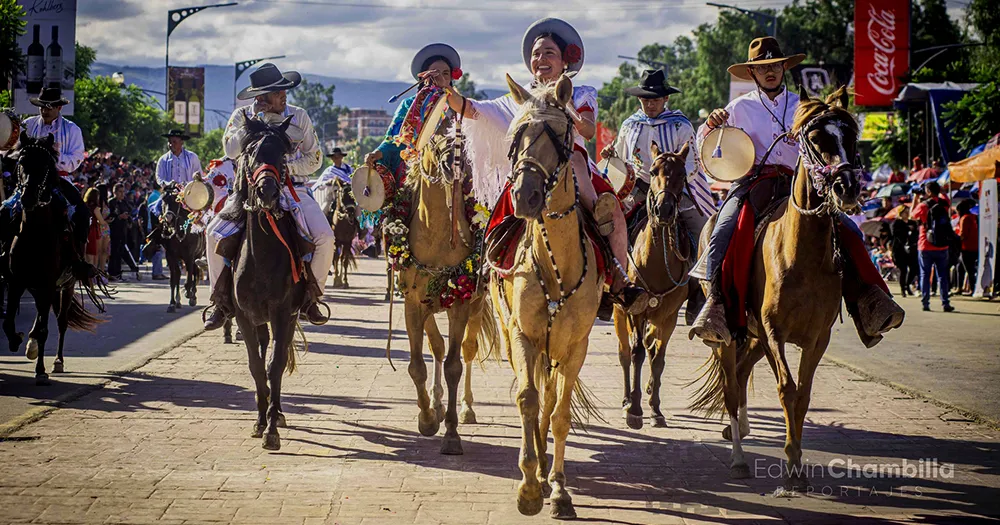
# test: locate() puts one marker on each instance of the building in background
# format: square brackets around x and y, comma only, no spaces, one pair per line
[357,123]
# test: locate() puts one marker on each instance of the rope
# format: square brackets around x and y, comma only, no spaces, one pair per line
[296,276]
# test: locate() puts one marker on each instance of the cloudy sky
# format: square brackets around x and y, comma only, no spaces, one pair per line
[354,39]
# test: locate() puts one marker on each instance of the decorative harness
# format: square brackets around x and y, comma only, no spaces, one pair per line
[43,187]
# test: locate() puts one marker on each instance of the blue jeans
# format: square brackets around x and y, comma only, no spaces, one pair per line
[938,259]
[158,262]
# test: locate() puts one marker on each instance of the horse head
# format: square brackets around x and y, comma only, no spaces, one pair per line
[828,141]
[667,179]
[541,144]
[172,211]
[36,163]
[262,161]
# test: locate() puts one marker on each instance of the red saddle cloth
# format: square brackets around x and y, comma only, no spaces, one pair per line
[503,255]
[736,266]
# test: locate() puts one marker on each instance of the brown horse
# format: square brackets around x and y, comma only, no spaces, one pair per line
[435,186]
[795,287]
[344,220]
[661,258]
[548,301]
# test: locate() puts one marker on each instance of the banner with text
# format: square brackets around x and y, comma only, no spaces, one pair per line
[186,99]
[881,50]
[47,46]
[987,235]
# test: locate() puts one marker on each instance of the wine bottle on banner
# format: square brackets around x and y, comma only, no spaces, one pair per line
[194,111]
[36,63]
[180,103]
[53,61]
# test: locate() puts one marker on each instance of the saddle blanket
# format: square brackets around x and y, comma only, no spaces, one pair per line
[222,228]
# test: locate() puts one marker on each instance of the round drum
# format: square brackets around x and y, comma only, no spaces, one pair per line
[424,116]
[621,175]
[197,195]
[373,188]
[10,128]
[727,153]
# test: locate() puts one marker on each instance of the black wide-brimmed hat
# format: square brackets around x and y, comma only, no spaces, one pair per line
[49,98]
[176,133]
[336,151]
[764,50]
[653,85]
[267,79]
[434,50]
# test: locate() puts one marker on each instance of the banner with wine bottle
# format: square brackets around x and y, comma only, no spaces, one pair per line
[186,93]
[49,52]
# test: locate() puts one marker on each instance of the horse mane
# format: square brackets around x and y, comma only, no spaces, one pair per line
[810,108]
[542,106]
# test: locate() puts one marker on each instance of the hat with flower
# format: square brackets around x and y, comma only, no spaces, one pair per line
[573,53]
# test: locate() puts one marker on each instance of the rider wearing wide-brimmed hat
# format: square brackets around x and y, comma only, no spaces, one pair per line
[550,48]
[178,165]
[765,114]
[267,89]
[435,64]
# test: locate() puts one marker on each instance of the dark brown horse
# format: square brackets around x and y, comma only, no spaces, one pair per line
[344,220]
[182,247]
[39,253]
[269,277]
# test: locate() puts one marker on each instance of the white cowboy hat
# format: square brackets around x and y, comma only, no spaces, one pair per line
[430,51]
[559,28]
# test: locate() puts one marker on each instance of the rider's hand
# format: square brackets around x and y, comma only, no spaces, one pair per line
[608,151]
[198,176]
[372,158]
[717,118]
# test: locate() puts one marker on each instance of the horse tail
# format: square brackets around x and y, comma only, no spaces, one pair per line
[78,318]
[299,342]
[350,261]
[710,397]
[582,406]
[488,337]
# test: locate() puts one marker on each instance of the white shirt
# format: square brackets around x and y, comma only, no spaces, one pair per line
[764,122]
[307,157]
[68,140]
[342,172]
[177,168]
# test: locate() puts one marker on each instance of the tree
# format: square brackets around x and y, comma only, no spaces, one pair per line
[85,57]
[11,27]
[317,100]
[208,146]
[467,87]
[119,119]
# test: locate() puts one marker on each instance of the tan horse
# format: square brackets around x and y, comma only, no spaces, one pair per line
[661,258]
[469,323]
[344,221]
[548,301]
[795,289]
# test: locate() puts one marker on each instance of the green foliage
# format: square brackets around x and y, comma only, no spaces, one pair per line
[85,57]
[11,27]
[976,116]
[891,146]
[119,119]
[317,100]
[467,87]
[208,146]
[356,150]
[5,101]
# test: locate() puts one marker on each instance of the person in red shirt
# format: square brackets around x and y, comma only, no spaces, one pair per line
[928,255]
[968,232]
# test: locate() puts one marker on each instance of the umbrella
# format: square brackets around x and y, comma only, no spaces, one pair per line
[893,213]
[892,190]
[872,227]
[924,174]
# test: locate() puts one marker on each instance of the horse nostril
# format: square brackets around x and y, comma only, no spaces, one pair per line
[535,199]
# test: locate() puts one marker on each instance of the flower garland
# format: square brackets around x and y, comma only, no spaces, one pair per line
[447,286]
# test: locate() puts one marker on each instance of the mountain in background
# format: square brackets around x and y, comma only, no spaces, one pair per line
[350,92]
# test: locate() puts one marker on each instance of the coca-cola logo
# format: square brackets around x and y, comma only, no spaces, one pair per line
[882,35]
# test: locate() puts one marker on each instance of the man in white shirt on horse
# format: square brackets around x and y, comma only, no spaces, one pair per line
[177,165]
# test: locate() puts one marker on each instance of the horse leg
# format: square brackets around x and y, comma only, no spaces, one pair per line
[622,330]
[336,267]
[727,356]
[560,501]
[388,282]
[744,369]
[191,286]
[470,349]
[633,413]
[807,369]
[14,338]
[523,357]
[284,329]
[458,320]
[658,351]
[227,331]
[264,338]
[259,373]
[62,321]
[549,393]
[416,317]
[175,284]
[38,334]
[436,342]
[787,395]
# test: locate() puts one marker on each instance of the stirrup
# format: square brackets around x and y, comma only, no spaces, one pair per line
[710,325]
[604,213]
[217,319]
[877,312]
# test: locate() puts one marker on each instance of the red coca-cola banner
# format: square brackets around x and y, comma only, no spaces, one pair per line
[881,50]
[604,137]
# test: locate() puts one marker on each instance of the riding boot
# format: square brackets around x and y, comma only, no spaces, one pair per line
[311,310]
[221,301]
[634,299]
[711,325]
[695,301]
[874,314]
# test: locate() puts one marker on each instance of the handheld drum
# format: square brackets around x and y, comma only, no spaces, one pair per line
[727,153]
[197,195]
[10,128]
[373,188]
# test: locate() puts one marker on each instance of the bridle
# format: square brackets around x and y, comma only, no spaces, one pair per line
[821,173]
[563,146]
[263,171]
[670,229]
[44,188]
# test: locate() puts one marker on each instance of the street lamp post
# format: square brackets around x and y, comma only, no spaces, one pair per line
[760,17]
[661,65]
[119,78]
[245,65]
[174,18]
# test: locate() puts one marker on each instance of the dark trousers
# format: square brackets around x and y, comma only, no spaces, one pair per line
[119,236]
[969,265]
[905,263]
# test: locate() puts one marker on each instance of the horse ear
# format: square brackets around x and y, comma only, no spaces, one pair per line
[685,149]
[844,97]
[49,140]
[564,90]
[285,123]
[654,150]
[519,94]
[803,94]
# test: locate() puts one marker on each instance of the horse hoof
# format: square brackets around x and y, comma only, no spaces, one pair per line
[452,446]
[467,416]
[58,367]
[228,339]
[239,335]
[42,380]
[562,509]
[529,504]
[659,421]
[429,427]
[387,296]
[31,349]
[171,309]
[741,471]
[797,483]
[727,433]
[633,421]
[192,302]
[440,412]
[271,442]
[258,430]
[281,423]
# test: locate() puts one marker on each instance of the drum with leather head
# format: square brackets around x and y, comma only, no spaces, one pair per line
[621,175]
[10,128]
[727,154]
[197,195]
[424,116]
[373,188]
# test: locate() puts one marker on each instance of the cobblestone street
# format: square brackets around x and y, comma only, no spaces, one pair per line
[170,443]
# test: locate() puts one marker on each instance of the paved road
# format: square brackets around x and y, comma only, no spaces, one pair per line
[168,443]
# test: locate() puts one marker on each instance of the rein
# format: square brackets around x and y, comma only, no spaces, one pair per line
[43,186]
[669,231]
